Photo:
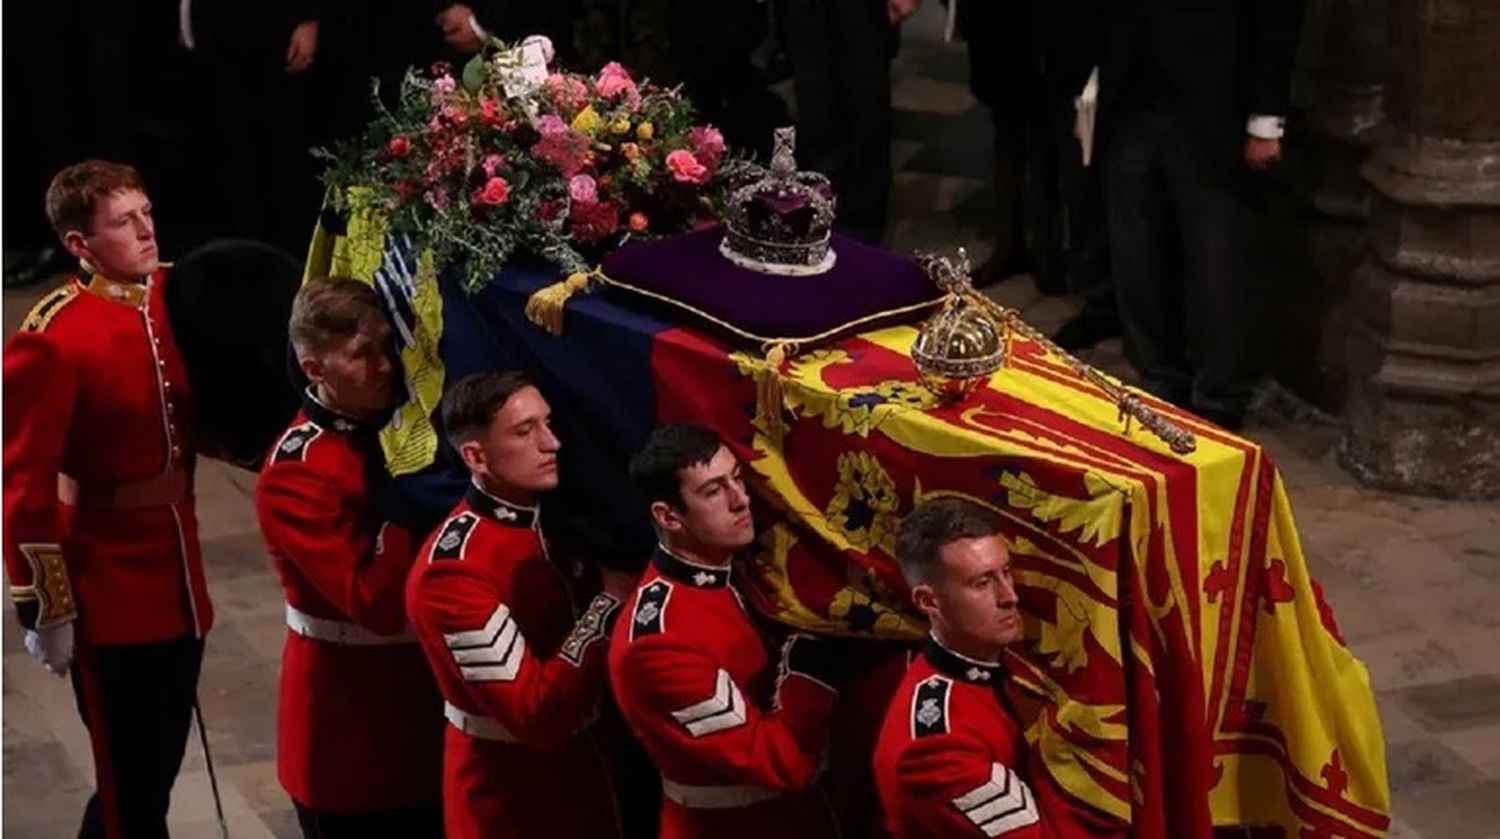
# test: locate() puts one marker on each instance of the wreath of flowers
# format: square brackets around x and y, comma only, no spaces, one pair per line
[512,157]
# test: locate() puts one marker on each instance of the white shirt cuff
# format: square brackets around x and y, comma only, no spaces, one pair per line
[1265,127]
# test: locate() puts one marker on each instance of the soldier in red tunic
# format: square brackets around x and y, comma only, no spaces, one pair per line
[951,760]
[739,742]
[100,537]
[359,722]
[952,757]
[519,656]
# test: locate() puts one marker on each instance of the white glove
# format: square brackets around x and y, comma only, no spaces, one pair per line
[52,646]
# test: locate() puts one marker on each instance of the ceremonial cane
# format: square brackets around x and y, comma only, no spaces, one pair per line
[208,760]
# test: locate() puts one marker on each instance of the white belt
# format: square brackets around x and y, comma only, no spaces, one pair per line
[485,728]
[340,632]
[716,797]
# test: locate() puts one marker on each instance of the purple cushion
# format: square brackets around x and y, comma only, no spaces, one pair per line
[867,288]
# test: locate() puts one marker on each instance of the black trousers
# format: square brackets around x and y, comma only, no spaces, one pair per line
[405,822]
[840,53]
[1179,222]
[137,702]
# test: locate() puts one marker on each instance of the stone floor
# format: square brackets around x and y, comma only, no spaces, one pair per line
[1414,582]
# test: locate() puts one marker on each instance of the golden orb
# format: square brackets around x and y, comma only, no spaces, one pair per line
[958,349]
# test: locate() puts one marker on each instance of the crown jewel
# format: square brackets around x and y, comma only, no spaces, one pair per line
[781,222]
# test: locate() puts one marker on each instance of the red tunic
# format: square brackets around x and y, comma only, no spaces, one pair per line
[95,390]
[522,675]
[739,748]
[951,760]
[359,723]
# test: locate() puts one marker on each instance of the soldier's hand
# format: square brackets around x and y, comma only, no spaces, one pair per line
[899,10]
[52,646]
[457,23]
[619,584]
[303,47]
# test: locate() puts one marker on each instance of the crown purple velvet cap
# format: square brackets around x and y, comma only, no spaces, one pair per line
[867,288]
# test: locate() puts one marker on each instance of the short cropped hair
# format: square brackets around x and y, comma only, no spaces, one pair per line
[657,467]
[936,523]
[329,310]
[75,192]
[471,404]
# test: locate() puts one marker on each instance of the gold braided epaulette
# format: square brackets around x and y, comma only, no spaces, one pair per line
[47,308]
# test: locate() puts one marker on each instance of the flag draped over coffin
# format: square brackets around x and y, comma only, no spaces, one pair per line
[1191,671]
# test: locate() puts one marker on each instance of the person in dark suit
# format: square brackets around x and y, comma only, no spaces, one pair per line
[840,53]
[258,63]
[1192,102]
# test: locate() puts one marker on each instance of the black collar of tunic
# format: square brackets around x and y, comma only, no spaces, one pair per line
[963,668]
[505,512]
[332,420]
[689,573]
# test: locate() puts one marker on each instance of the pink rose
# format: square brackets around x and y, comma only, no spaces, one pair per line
[400,146]
[495,191]
[686,168]
[614,81]
[708,144]
[583,190]
[444,84]
[551,124]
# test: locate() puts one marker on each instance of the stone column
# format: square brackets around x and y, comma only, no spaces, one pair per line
[1424,352]
[1338,92]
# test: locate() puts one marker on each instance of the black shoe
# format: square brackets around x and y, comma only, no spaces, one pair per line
[37,266]
[1087,328]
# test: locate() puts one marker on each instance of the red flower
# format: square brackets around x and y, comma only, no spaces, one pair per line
[496,191]
[400,145]
[592,222]
[489,111]
[639,223]
[440,68]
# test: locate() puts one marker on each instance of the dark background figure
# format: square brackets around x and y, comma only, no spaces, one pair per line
[1184,87]
[840,52]
[101,79]
[1027,62]
[256,61]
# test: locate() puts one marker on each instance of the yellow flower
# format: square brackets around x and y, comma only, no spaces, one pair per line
[587,121]
[620,126]
[645,131]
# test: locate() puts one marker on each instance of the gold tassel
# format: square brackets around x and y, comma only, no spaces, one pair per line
[545,308]
[769,406]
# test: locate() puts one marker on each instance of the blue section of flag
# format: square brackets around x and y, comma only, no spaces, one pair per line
[597,378]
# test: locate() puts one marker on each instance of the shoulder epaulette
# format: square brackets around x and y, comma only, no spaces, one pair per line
[47,308]
[649,617]
[929,706]
[294,444]
[454,537]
